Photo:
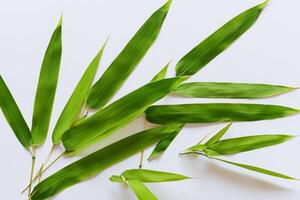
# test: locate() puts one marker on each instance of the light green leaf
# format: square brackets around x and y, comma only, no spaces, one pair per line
[215,112]
[231,90]
[77,99]
[161,74]
[257,169]
[116,74]
[141,191]
[117,114]
[164,143]
[98,161]
[46,88]
[13,115]
[216,43]
[218,136]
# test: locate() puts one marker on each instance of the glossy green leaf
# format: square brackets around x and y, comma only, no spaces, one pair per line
[215,112]
[13,115]
[98,161]
[161,74]
[164,143]
[148,176]
[257,169]
[230,90]
[77,99]
[127,60]
[218,136]
[46,88]
[141,191]
[117,114]
[216,43]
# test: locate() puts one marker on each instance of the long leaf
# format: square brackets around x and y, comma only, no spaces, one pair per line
[218,136]
[257,169]
[230,90]
[215,112]
[164,143]
[117,114]
[141,191]
[216,43]
[128,59]
[13,115]
[98,161]
[46,88]
[77,99]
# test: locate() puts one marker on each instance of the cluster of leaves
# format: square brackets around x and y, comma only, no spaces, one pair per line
[78,129]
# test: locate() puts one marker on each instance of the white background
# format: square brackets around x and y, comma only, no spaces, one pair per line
[268,53]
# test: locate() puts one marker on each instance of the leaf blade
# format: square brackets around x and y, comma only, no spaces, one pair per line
[141,191]
[218,136]
[161,74]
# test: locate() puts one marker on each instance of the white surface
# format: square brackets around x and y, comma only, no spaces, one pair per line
[268,53]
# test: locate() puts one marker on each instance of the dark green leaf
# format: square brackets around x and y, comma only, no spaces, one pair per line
[46,88]
[128,59]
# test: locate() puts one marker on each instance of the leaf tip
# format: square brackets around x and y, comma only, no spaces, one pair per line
[60,20]
[264,4]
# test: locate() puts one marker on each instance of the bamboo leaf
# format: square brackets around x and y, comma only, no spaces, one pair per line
[141,191]
[230,90]
[46,88]
[215,112]
[257,169]
[13,115]
[218,136]
[116,74]
[161,74]
[77,99]
[117,114]
[149,176]
[216,43]
[98,161]
[164,143]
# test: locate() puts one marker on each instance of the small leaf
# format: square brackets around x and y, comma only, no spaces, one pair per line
[164,143]
[13,115]
[216,43]
[215,112]
[218,136]
[231,90]
[117,114]
[257,169]
[46,88]
[77,99]
[97,162]
[141,191]
[161,74]
[120,69]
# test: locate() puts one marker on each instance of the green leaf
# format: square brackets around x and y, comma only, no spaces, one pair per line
[117,114]
[141,191]
[247,143]
[215,112]
[216,43]
[13,115]
[164,143]
[257,169]
[231,90]
[161,74]
[46,88]
[148,176]
[77,99]
[117,73]
[97,162]
[218,136]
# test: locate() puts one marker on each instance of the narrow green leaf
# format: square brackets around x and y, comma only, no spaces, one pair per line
[98,161]
[218,136]
[164,143]
[117,114]
[128,59]
[161,74]
[141,191]
[77,99]
[247,143]
[231,90]
[215,112]
[46,88]
[13,115]
[257,169]
[216,43]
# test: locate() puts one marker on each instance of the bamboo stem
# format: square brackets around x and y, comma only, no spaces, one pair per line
[142,152]
[40,172]
[32,170]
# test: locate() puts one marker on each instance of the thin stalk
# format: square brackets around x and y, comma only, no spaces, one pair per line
[142,152]
[32,170]
[40,172]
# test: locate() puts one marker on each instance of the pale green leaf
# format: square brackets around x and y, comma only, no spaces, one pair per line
[218,136]
[140,190]
[161,74]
